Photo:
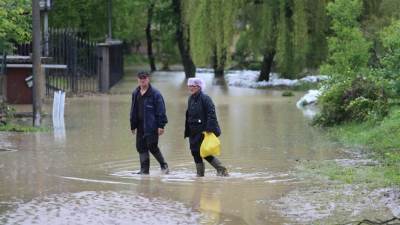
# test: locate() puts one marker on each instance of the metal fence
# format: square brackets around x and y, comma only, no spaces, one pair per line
[80,57]
[76,62]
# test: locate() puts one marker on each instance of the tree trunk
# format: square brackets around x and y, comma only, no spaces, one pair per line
[218,65]
[266,66]
[183,42]
[149,38]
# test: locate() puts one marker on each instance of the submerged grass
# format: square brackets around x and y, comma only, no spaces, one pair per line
[373,176]
[380,139]
[22,128]
[135,59]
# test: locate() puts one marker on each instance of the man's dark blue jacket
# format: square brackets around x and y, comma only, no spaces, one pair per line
[154,111]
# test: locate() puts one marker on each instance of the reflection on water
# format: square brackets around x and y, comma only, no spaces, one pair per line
[85,175]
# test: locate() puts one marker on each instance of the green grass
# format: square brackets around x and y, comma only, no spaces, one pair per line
[374,176]
[21,128]
[381,139]
[305,86]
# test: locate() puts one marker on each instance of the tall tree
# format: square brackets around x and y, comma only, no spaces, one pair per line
[267,31]
[348,49]
[318,26]
[149,37]
[212,27]
[183,39]
[300,35]
[284,43]
[165,22]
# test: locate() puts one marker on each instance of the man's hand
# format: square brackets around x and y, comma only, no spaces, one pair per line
[133,131]
[160,131]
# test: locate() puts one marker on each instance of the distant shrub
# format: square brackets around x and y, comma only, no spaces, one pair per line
[360,99]
[287,94]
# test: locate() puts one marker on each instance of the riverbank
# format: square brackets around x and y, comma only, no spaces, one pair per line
[359,185]
[380,140]
[362,186]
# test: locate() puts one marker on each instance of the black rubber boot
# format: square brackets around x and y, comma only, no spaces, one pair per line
[200,169]
[221,170]
[144,163]
[159,157]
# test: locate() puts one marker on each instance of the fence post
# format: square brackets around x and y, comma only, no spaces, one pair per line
[104,76]
[74,82]
[3,74]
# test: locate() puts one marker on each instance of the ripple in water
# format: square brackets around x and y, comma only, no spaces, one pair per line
[87,208]
[184,174]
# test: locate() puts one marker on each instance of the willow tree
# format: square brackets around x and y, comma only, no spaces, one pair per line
[212,26]
[183,37]
[292,43]
[262,22]
[318,26]
[284,44]
[300,35]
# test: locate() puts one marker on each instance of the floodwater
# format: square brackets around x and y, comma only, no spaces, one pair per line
[84,174]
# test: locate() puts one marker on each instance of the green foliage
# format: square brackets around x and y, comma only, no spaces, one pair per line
[348,96]
[15,23]
[284,49]
[293,41]
[7,112]
[243,53]
[287,94]
[390,38]
[129,19]
[7,117]
[212,28]
[318,25]
[300,36]
[260,31]
[360,100]
[348,49]
[287,28]
[164,32]
[90,18]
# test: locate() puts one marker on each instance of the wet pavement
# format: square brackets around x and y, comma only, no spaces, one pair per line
[84,174]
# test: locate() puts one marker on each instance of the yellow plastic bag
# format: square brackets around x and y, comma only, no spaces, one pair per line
[210,145]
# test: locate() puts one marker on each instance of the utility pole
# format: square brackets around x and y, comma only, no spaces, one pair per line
[46,29]
[36,63]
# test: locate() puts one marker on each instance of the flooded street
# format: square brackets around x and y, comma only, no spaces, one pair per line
[85,175]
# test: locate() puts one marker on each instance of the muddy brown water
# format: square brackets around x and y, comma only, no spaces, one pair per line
[83,174]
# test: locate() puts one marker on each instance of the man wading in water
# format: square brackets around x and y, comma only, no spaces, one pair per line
[148,119]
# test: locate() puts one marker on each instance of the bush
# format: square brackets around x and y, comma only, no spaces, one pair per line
[358,100]
[6,113]
[287,94]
